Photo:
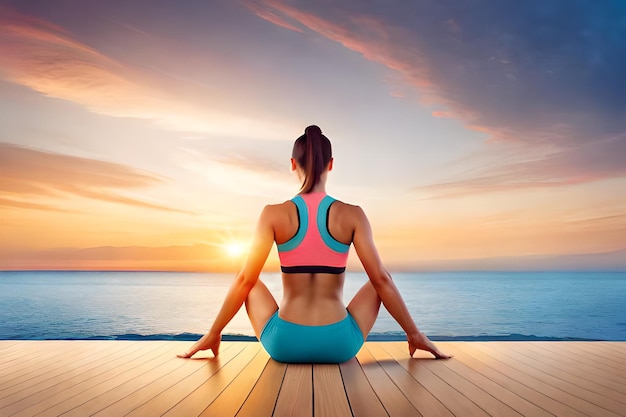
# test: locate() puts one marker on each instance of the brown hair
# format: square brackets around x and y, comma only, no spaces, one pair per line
[312,151]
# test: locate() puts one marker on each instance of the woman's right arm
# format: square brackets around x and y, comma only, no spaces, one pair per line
[385,287]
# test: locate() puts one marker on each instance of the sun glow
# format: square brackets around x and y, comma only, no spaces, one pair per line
[234,249]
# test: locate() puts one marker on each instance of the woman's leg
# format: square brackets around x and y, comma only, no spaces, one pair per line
[364,308]
[260,306]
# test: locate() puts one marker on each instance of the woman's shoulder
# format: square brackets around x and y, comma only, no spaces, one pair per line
[349,210]
[277,209]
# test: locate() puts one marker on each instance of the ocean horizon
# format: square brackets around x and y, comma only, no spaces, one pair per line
[459,306]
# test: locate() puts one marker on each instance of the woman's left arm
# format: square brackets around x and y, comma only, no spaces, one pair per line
[241,286]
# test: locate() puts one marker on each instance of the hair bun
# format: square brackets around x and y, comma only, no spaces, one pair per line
[312,130]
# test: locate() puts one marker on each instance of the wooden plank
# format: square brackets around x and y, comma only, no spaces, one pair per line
[522,385]
[263,397]
[77,380]
[611,348]
[363,399]
[615,347]
[329,395]
[7,343]
[9,354]
[485,393]
[394,401]
[168,398]
[295,398]
[26,348]
[604,358]
[155,385]
[556,388]
[611,356]
[52,368]
[572,358]
[7,347]
[232,398]
[195,403]
[30,347]
[97,403]
[574,373]
[67,401]
[422,387]
[27,360]
[576,385]
[30,366]
[36,390]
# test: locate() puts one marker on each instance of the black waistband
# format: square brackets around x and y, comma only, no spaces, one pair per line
[313,269]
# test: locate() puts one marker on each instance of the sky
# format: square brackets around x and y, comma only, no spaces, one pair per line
[475,135]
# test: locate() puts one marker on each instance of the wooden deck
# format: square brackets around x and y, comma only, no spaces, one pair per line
[119,378]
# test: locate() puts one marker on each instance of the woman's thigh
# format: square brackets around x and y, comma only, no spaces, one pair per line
[260,306]
[364,308]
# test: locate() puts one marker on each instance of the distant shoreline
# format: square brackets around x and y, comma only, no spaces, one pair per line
[416,270]
[373,337]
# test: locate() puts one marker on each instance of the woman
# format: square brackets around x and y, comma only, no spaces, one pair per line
[313,233]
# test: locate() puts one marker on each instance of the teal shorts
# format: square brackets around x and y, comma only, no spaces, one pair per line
[297,343]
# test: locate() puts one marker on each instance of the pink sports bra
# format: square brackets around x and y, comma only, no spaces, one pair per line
[312,249]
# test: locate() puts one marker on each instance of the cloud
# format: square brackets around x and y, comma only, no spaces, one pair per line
[244,171]
[590,161]
[7,202]
[44,57]
[198,257]
[27,173]
[271,17]
[254,163]
[542,76]
[48,59]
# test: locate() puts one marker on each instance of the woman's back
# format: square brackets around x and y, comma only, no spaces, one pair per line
[313,298]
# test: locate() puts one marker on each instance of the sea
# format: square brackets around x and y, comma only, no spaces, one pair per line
[466,306]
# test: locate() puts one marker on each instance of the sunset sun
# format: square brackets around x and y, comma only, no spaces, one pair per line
[234,249]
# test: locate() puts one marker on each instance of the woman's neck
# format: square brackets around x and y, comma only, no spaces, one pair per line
[319,188]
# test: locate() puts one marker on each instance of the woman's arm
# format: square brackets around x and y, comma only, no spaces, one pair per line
[241,286]
[385,287]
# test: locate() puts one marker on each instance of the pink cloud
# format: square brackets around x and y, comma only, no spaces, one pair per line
[26,173]
[7,202]
[369,36]
[197,257]
[456,64]
[587,163]
[44,57]
[271,17]
[48,59]
[443,114]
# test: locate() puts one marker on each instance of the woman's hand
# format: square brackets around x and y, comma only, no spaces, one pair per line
[420,341]
[208,341]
